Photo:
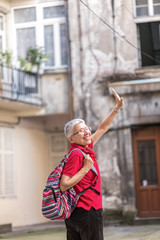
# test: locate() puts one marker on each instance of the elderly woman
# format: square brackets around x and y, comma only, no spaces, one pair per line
[86,221]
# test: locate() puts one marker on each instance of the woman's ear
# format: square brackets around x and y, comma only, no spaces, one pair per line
[71,140]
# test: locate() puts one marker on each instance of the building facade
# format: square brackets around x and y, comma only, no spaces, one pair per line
[34,106]
[93,46]
[116,44]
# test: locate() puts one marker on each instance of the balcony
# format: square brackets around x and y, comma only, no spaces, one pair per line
[19,86]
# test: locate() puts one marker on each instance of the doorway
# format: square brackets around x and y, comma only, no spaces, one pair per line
[146,146]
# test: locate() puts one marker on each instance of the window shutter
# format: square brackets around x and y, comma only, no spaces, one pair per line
[9,175]
[58,148]
[1,176]
[7,171]
[8,140]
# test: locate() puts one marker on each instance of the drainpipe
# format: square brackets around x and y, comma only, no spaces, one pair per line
[114,38]
[70,86]
[82,99]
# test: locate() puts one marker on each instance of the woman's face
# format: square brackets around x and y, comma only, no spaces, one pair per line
[81,135]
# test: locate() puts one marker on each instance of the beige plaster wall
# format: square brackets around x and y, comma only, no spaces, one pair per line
[4,5]
[14,3]
[32,168]
[31,143]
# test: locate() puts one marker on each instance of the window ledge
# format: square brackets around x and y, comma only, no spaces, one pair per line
[135,86]
[142,19]
[155,69]
[56,70]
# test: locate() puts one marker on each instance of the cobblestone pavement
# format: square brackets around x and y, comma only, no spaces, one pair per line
[57,231]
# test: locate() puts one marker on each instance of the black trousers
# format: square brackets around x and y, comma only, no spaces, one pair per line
[85,225]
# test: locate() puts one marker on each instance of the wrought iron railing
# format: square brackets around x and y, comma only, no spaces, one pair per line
[21,86]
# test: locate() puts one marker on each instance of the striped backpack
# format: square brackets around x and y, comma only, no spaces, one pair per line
[57,204]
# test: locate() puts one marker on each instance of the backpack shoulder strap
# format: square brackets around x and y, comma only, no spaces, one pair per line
[84,155]
[93,169]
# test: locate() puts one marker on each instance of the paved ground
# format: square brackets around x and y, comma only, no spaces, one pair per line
[56,231]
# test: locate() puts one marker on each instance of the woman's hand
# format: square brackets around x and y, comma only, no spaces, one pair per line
[119,100]
[68,182]
[88,163]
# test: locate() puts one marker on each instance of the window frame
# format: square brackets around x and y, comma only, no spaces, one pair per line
[150,11]
[144,19]
[39,25]
[139,47]
[3,32]
[56,155]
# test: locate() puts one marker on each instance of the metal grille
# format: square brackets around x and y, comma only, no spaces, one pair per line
[21,86]
[147,162]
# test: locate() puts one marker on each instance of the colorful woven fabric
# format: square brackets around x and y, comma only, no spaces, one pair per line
[57,204]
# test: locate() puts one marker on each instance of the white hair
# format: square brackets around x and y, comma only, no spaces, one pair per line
[69,126]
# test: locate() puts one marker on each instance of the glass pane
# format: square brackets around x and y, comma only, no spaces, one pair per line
[49,44]
[25,39]
[150,43]
[64,47]
[141,2]
[156,1]
[53,12]
[157,9]
[147,163]
[155,27]
[25,15]
[1,23]
[142,11]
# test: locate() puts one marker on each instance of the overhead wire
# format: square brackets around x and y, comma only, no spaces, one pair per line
[122,37]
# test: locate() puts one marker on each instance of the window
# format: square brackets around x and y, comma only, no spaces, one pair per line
[149,35]
[148,29]
[25,30]
[147,163]
[2,31]
[7,172]
[55,35]
[24,15]
[141,8]
[53,12]
[147,7]
[58,148]
[42,25]
[156,6]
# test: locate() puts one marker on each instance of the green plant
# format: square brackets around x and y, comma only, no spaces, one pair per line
[25,65]
[5,58]
[36,56]
[22,62]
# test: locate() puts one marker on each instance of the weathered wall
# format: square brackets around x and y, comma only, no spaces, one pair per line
[98,57]
[55,93]
[97,51]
